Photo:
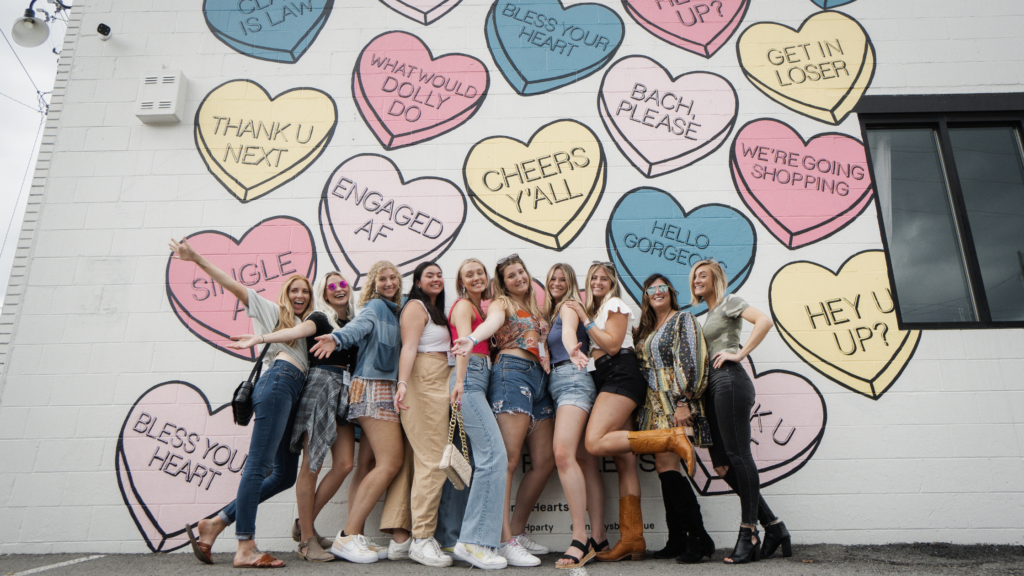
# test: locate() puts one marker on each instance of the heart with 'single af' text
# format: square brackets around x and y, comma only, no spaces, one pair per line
[274,31]
[262,259]
[178,462]
[661,123]
[407,96]
[701,27]
[425,12]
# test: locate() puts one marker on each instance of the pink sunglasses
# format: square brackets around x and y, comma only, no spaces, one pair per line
[333,287]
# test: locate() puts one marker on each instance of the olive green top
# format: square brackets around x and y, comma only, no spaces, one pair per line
[722,325]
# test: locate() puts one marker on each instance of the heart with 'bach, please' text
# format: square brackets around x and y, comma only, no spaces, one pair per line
[423,11]
[787,423]
[649,232]
[543,191]
[265,256]
[253,144]
[802,191]
[540,46]
[407,96]
[368,212]
[276,31]
[843,324]
[178,462]
[661,123]
[700,26]
[820,70]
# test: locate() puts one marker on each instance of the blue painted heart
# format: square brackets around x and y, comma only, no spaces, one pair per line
[649,232]
[540,46]
[275,31]
[831,3]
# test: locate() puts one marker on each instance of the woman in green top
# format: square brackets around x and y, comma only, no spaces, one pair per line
[729,400]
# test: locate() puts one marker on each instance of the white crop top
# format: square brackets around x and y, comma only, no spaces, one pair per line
[614,305]
[435,338]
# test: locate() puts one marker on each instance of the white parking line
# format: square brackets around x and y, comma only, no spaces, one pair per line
[58,565]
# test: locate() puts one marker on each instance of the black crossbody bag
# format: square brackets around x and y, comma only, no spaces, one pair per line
[241,402]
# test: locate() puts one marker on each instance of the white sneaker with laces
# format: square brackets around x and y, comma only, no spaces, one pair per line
[531,546]
[398,551]
[382,551]
[482,557]
[516,555]
[353,548]
[426,551]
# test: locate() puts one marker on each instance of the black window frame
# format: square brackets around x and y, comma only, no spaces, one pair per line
[938,112]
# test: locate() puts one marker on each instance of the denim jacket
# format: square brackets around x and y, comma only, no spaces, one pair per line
[376,331]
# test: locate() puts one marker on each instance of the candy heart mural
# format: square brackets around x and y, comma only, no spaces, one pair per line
[252,143]
[262,259]
[368,212]
[540,46]
[801,190]
[649,232]
[700,26]
[406,96]
[820,70]
[786,426]
[543,191]
[662,123]
[275,31]
[423,11]
[843,324]
[177,462]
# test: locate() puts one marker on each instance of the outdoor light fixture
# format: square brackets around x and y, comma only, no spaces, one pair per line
[104,31]
[28,30]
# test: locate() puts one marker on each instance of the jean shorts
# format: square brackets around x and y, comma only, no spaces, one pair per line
[570,386]
[520,386]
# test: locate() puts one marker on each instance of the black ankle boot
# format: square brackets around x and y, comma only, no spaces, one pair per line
[776,535]
[670,489]
[747,549]
[697,547]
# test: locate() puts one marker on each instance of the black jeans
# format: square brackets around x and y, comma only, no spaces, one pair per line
[728,402]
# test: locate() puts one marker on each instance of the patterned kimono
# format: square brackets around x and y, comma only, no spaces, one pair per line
[674,360]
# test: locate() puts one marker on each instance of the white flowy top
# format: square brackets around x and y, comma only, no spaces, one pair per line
[614,305]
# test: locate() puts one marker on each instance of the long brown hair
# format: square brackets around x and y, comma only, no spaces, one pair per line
[613,292]
[572,290]
[502,295]
[286,313]
[648,317]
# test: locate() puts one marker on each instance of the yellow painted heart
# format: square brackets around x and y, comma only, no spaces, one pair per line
[543,191]
[843,324]
[820,70]
[253,143]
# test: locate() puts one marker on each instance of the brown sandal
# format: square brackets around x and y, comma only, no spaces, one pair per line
[265,561]
[201,550]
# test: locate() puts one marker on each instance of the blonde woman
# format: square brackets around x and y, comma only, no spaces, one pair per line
[573,392]
[372,398]
[321,422]
[519,331]
[270,466]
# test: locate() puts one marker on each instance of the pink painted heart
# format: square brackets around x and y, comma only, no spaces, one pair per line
[699,26]
[178,462]
[787,423]
[423,11]
[662,123]
[407,96]
[265,256]
[802,191]
[368,212]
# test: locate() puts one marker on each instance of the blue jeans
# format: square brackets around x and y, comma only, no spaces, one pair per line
[486,493]
[270,467]
[520,386]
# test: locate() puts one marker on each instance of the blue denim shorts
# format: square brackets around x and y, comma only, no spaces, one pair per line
[520,386]
[570,386]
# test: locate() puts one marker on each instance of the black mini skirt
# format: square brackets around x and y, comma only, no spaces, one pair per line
[620,374]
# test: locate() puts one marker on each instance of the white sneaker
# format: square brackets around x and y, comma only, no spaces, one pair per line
[382,551]
[517,555]
[482,557]
[353,548]
[428,552]
[398,551]
[531,546]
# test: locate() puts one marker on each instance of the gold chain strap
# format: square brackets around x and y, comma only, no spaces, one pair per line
[457,412]
[451,424]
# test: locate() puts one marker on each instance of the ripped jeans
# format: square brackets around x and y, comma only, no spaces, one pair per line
[520,386]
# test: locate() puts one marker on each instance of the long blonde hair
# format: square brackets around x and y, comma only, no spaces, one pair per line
[572,290]
[370,291]
[720,282]
[613,292]
[502,295]
[460,288]
[320,300]
[286,313]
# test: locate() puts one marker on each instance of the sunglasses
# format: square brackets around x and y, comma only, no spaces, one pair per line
[334,287]
[659,289]
[507,258]
[605,264]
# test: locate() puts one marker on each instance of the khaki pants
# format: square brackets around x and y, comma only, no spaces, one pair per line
[415,494]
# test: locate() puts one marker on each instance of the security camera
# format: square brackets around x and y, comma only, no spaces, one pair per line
[104,31]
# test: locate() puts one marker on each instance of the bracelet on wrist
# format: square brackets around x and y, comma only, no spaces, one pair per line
[403,382]
[473,340]
[590,325]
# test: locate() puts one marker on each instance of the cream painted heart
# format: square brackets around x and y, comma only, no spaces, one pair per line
[820,70]
[178,462]
[843,324]
[252,143]
[543,191]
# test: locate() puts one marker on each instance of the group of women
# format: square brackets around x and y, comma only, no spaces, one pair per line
[567,378]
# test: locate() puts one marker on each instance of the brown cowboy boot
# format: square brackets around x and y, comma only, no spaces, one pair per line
[658,441]
[631,545]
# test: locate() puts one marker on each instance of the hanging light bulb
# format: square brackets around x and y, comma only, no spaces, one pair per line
[28,30]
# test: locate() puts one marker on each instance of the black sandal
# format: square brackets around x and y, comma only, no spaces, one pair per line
[588,553]
[599,547]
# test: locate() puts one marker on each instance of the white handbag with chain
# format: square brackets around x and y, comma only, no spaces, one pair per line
[456,465]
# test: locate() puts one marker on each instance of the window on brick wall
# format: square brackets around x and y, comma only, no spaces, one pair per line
[950,191]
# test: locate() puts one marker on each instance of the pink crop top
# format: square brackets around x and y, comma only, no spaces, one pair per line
[481,348]
[521,331]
